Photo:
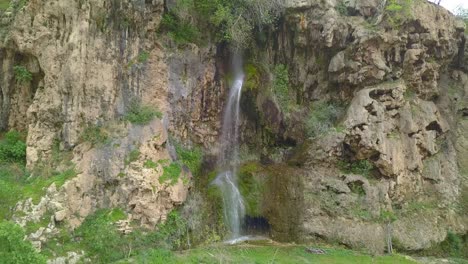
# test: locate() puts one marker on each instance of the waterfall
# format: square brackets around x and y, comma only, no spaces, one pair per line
[228,162]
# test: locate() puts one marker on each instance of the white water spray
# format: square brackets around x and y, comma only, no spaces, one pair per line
[234,209]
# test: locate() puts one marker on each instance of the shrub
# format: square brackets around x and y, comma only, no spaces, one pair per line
[192,158]
[360,167]
[14,249]
[13,147]
[182,32]
[22,75]
[141,115]
[171,173]
[100,238]
[322,118]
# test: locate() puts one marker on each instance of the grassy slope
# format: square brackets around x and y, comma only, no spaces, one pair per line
[282,254]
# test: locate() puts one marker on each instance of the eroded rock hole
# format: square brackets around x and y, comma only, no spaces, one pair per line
[434,126]
[256,225]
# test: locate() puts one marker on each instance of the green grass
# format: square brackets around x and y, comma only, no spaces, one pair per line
[171,173]
[4,4]
[22,75]
[141,114]
[278,254]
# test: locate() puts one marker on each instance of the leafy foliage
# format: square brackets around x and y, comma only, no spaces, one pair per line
[141,114]
[182,32]
[281,86]
[103,243]
[100,238]
[231,20]
[322,118]
[13,147]
[22,75]
[171,173]
[398,11]
[14,249]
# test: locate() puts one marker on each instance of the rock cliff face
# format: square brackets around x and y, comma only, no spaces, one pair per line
[403,130]
[400,148]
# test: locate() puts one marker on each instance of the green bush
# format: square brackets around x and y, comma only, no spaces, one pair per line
[14,249]
[231,21]
[149,164]
[322,118]
[100,238]
[13,147]
[360,167]
[171,173]
[192,158]
[140,114]
[182,32]
[22,75]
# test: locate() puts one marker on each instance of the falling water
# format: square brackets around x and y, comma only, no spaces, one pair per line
[234,209]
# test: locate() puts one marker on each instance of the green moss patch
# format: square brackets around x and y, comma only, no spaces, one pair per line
[251,185]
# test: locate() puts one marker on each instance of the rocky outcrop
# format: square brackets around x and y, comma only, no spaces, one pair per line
[398,147]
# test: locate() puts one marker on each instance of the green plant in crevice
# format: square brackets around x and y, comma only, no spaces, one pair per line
[134,155]
[96,135]
[281,87]
[361,167]
[149,164]
[141,114]
[322,118]
[342,7]
[22,75]
[252,77]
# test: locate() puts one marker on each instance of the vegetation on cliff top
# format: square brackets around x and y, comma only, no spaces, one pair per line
[232,21]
